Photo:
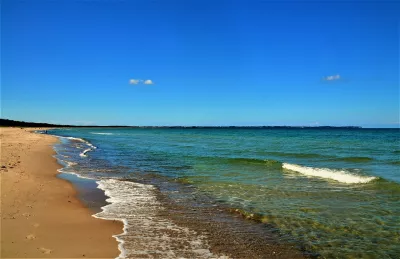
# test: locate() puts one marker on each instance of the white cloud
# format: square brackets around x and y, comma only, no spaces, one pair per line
[140,81]
[332,78]
[148,82]
[134,81]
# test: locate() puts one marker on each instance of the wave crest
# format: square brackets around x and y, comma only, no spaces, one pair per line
[90,146]
[326,173]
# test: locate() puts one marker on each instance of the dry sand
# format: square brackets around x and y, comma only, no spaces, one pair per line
[41,216]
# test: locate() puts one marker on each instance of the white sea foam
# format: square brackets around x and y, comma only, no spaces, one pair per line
[102,133]
[67,171]
[145,231]
[83,154]
[326,173]
[90,145]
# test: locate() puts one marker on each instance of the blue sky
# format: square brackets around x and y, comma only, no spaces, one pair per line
[209,62]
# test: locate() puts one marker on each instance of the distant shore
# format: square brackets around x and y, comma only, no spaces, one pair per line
[13,123]
[41,215]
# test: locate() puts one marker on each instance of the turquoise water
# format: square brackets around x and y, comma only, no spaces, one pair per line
[335,191]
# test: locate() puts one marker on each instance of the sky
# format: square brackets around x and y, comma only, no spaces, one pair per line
[116,62]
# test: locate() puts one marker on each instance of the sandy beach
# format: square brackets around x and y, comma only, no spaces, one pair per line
[41,216]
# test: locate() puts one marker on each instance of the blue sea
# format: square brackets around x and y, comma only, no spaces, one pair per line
[327,193]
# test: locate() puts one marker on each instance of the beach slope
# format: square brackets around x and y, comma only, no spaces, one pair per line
[41,216]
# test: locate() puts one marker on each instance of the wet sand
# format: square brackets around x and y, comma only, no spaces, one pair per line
[41,216]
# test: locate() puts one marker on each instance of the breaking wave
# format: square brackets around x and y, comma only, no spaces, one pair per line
[84,152]
[326,173]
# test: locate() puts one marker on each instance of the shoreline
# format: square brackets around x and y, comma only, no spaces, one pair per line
[191,235]
[41,213]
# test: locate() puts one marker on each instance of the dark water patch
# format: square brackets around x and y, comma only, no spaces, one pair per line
[241,161]
[353,159]
[266,162]
[297,155]
[395,162]
[176,167]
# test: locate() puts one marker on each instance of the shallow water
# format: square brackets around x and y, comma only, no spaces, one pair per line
[334,191]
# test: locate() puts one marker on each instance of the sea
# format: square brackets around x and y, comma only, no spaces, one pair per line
[240,192]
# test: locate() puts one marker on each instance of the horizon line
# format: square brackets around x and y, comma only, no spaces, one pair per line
[16,123]
[10,122]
